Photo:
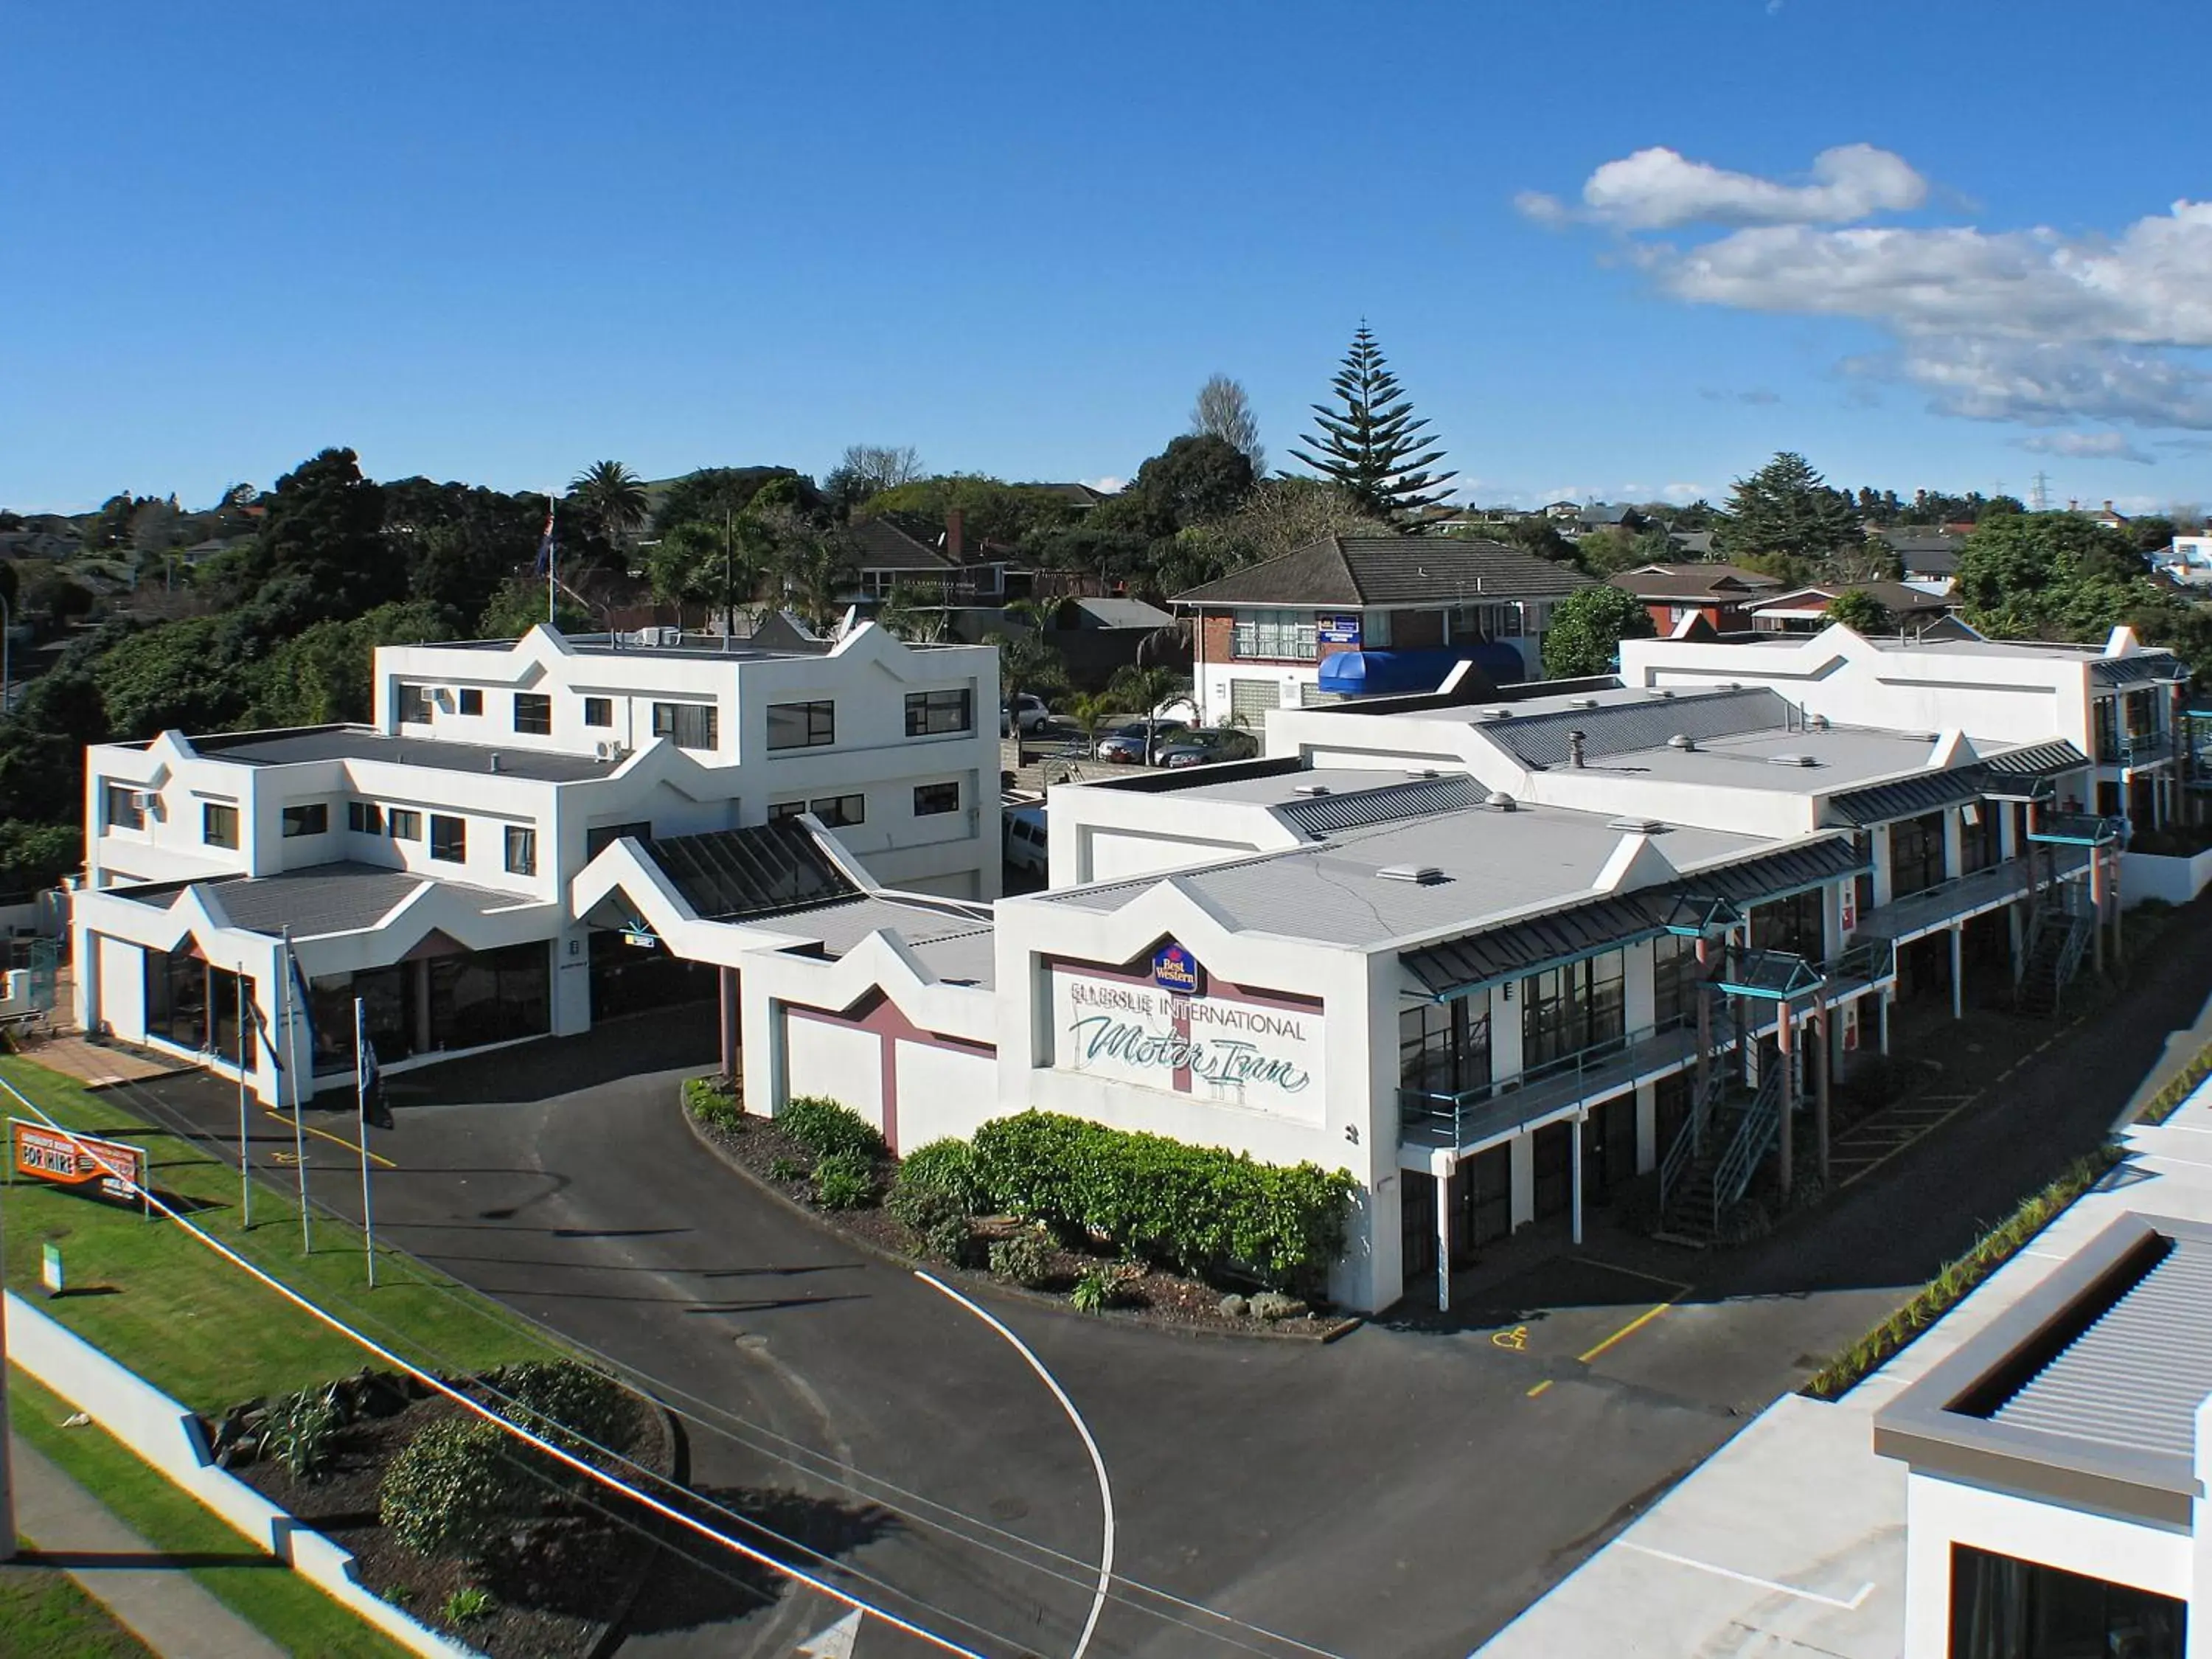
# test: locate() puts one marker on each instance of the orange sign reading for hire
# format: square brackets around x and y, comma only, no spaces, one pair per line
[77,1161]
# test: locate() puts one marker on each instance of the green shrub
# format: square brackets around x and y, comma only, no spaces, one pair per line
[948,1166]
[825,1128]
[843,1181]
[299,1431]
[1091,1292]
[713,1104]
[1025,1257]
[468,1604]
[921,1206]
[1199,1207]
[786,1169]
[456,1486]
[569,1404]
[948,1240]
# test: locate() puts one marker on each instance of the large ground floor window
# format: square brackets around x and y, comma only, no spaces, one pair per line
[464,1000]
[200,1007]
[628,978]
[2003,1608]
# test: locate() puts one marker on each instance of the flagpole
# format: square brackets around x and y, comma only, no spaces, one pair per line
[291,1061]
[246,1017]
[552,559]
[364,1082]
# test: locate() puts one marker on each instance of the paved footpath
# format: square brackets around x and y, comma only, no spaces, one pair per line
[150,1594]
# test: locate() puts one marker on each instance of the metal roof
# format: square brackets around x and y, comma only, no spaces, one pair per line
[1626,728]
[329,898]
[1910,797]
[2135,1376]
[1322,814]
[365,742]
[2136,667]
[2037,760]
[727,875]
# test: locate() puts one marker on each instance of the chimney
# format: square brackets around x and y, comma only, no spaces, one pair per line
[953,542]
[1574,749]
[2108,505]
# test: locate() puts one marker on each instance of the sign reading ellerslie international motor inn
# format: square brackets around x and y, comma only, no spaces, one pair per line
[80,1161]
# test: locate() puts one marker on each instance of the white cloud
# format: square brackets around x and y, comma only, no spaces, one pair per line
[1659,189]
[1683,492]
[2032,325]
[2087,446]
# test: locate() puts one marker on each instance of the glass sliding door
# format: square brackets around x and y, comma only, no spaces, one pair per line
[1569,1009]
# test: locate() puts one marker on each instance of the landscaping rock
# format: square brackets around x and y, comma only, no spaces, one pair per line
[1234,1305]
[1272,1305]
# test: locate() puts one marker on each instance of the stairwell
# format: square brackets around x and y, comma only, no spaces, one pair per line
[2054,953]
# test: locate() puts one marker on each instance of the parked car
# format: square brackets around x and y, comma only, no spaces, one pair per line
[1026,713]
[1124,745]
[1025,844]
[1202,748]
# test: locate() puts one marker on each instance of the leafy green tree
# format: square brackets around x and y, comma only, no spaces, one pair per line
[325,525]
[519,605]
[1860,611]
[42,744]
[710,564]
[324,675]
[1026,663]
[615,497]
[1090,710]
[2152,533]
[1223,410]
[916,614]
[1604,552]
[1370,445]
[185,675]
[714,493]
[1787,507]
[37,856]
[109,528]
[1193,481]
[59,595]
[990,509]
[1587,629]
[2050,576]
[865,471]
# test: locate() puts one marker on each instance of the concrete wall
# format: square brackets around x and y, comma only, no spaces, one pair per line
[943,1091]
[166,1435]
[2151,876]
[837,1062]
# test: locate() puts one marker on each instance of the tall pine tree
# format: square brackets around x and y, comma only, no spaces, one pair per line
[1366,446]
[1787,507]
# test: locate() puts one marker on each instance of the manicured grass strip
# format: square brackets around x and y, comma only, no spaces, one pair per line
[2167,1101]
[45,1615]
[198,1327]
[1937,1297]
[285,1607]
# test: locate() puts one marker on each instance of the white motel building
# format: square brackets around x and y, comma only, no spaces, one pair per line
[1496,955]
[422,863]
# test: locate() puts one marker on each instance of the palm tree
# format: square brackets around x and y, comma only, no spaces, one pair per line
[1026,663]
[615,496]
[914,614]
[1147,689]
[1090,711]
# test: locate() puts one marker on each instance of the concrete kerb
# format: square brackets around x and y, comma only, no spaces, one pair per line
[1343,1327]
[161,1432]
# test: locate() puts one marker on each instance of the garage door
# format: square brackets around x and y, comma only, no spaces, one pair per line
[1250,700]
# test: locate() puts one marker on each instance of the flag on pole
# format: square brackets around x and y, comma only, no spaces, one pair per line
[545,545]
[368,1077]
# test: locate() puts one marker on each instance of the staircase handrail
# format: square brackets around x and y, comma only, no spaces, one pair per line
[2070,957]
[1761,1120]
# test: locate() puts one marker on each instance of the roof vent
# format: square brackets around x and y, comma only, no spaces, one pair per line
[1683,741]
[1497,713]
[1581,703]
[1423,772]
[1731,685]
[1637,826]
[491,763]
[1312,789]
[1502,801]
[1661,691]
[1421,875]
[1791,760]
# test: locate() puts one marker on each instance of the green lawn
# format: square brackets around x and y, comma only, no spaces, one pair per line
[198,1326]
[44,1615]
[284,1607]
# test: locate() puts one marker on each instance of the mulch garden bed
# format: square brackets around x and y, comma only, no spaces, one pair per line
[1157,1295]
[558,1582]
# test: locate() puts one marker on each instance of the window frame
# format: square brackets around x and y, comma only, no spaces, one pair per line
[922,789]
[404,822]
[539,706]
[599,713]
[302,819]
[133,816]
[364,817]
[1275,635]
[521,843]
[837,818]
[816,718]
[669,721]
[468,700]
[924,710]
[210,811]
[449,831]
[408,695]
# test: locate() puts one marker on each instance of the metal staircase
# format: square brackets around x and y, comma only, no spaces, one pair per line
[2058,938]
[1711,1165]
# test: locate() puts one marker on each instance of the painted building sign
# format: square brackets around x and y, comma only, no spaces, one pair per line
[1337,630]
[1209,1048]
[1175,968]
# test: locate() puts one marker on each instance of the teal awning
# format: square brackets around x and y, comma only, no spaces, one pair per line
[1772,976]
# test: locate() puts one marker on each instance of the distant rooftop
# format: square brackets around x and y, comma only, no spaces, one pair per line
[1392,570]
[365,742]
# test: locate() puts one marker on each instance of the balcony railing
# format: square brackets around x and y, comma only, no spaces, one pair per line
[1964,896]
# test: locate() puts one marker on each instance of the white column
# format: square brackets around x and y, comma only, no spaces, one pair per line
[1441,1167]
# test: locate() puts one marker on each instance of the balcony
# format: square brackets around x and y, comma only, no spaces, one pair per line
[1953,901]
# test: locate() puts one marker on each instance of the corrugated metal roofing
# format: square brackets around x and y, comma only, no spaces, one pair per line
[335,898]
[1325,813]
[365,742]
[1910,797]
[2136,668]
[726,875]
[2037,760]
[1623,729]
[2135,1377]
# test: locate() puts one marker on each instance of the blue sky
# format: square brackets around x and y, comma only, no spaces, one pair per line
[497,242]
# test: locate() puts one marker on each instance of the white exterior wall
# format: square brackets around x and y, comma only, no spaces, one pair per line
[943,1091]
[837,1062]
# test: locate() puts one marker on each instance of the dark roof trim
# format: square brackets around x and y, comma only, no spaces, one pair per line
[1881,803]
[2040,760]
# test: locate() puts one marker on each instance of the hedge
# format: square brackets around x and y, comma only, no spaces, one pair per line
[826,1128]
[1197,1207]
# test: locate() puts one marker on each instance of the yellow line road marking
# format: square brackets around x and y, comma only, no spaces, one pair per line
[1625,1331]
[336,1140]
[1539,1388]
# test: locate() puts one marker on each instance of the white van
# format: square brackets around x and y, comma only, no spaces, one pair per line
[1025,849]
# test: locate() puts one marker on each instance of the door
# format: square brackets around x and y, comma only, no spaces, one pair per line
[1417,1212]
[1609,1148]
[1555,1153]
[1489,1196]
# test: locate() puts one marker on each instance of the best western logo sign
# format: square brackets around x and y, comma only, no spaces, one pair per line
[1175,968]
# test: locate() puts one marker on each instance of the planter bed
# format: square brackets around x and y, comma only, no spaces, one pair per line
[561,1582]
[761,1150]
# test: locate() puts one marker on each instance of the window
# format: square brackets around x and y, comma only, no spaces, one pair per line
[410,704]
[1566,1010]
[596,842]
[931,712]
[521,851]
[218,824]
[1793,924]
[364,817]
[598,711]
[404,824]
[449,839]
[1674,980]
[2003,1608]
[313,818]
[1443,1048]
[469,701]
[786,809]
[932,799]
[797,725]
[1980,843]
[1916,854]
[534,713]
[1285,634]
[836,811]
[122,807]
[691,725]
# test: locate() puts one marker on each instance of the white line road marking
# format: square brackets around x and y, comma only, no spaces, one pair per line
[1097,1462]
[1851,1606]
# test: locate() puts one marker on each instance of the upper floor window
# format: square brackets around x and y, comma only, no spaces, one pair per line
[596,842]
[931,712]
[837,811]
[521,851]
[932,799]
[1916,854]
[1797,924]
[404,824]
[598,711]
[218,824]
[1674,974]
[801,725]
[689,725]
[1568,1009]
[534,713]
[310,818]
[786,809]
[121,807]
[364,817]
[1289,636]
[411,703]
[469,700]
[449,839]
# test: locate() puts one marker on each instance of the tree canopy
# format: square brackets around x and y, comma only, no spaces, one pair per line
[1370,442]
[1223,410]
[1860,611]
[1786,507]
[1587,629]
